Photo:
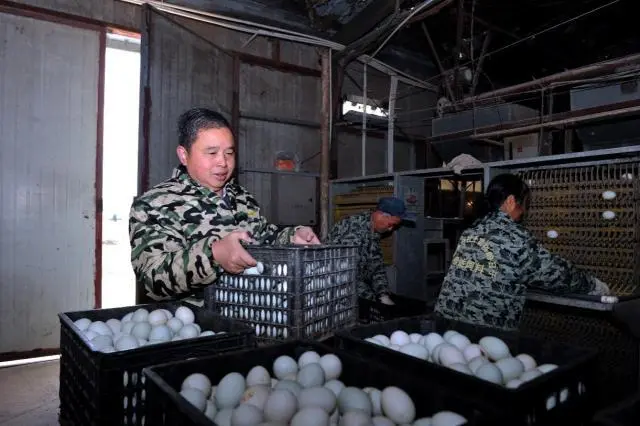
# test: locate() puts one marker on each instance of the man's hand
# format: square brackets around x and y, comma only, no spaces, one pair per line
[600,289]
[386,300]
[305,236]
[230,254]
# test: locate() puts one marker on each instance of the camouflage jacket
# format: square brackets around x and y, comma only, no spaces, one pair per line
[172,227]
[496,260]
[357,230]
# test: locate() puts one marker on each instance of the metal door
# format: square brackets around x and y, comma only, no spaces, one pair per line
[49,148]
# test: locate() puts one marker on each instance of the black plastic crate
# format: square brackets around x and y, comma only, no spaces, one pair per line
[303,293]
[625,413]
[166,406]
[99,388]
[524,405]
[617,369]
[374,311]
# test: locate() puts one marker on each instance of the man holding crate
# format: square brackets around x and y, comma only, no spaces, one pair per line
[184,230]
[364,230]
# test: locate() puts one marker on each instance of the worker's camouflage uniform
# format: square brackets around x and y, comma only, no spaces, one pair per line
[357,230]
[494,263]
[172,227]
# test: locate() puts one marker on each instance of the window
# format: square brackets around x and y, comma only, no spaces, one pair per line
[356,104]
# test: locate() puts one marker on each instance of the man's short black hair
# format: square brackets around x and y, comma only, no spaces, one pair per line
[196,119]
[504,185]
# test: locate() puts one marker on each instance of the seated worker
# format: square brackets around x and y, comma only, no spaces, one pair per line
[497,259]
[184,230]
[364,230]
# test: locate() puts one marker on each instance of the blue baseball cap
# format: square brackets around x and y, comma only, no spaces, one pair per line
[395,207]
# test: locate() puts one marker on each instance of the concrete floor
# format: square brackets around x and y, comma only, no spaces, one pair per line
[29,394]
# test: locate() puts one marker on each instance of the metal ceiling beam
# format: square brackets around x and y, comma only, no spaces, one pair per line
[366,20]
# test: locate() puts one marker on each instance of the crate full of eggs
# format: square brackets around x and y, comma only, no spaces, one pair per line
[103,352]
[521,380]
[294,292]
[298,383]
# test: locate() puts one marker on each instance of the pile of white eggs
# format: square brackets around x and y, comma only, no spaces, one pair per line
[306,392]
[141,328]
[490,359]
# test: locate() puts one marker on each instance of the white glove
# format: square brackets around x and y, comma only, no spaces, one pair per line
[462,161]
[386,300]
[600,289]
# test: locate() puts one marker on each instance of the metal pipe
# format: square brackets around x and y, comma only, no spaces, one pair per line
[436,58]
[415,10]
[556,123]
[393,89]
[324,148]
[364,121]
[596,68]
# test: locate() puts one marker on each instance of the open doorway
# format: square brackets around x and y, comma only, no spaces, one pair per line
[120,165]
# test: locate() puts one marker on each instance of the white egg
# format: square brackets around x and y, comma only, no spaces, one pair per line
[331,365]
[115,325]
[90,334]
[198,381]
[160,333]
[460,341]
[207,333]
[476,363]
[157,317]
[126,342]
[185,315]
[167,313]
[490,373]
[415,337]
[258,375]
[462,368]
[608,195]
[447,418]
[432,340]
[397,405]
[141,330]
[108,349]
[545,368]
[280,406]
[450,355]
[399,338]
[127,326]
[514,384]
[100,327]
[283,366]
[448,334]
[472,351]
[195,397]
[189,331]
[528,361]
[376,400]
[335,386]
[415,350]
[308,357]
[83,323]
[530,375]
[140,315]
[101,341]
[552,234]
[511,368]
[495,348]
[384,340]
[126,318]
[175,324]
[608,215]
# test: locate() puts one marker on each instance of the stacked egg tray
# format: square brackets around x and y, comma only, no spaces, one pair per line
[559,397]
[167,407]
[303,292]
[590,215]
[624,413]
[98,388]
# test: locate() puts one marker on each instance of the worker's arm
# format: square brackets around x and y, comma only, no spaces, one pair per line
[163,262]
[379,280]
[551,272]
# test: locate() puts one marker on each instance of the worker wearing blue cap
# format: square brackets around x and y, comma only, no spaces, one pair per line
[365,230]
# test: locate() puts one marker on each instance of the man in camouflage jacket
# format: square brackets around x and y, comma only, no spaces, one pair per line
[364,230]
[497,259]
[187,229]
